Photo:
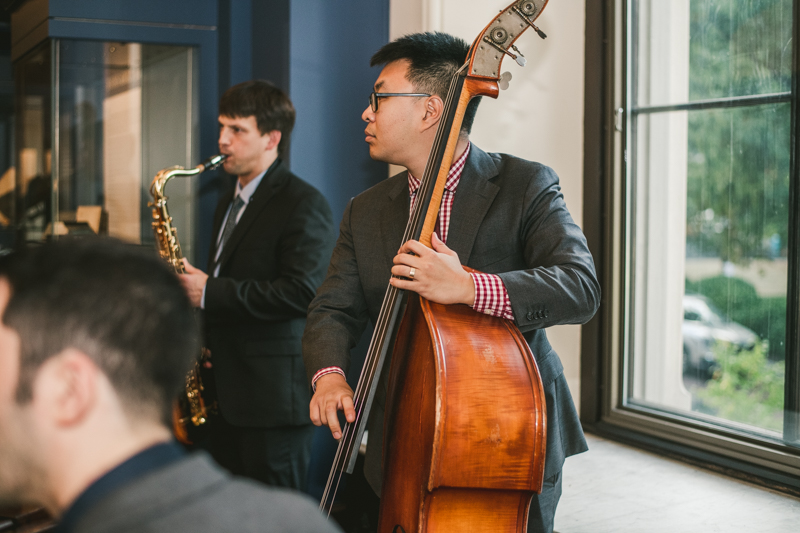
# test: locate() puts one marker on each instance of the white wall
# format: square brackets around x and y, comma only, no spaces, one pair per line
[540,116]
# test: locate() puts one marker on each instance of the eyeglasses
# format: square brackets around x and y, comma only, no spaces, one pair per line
[373,98]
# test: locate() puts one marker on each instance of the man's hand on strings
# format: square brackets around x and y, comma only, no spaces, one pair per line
[333,394]
[433,274]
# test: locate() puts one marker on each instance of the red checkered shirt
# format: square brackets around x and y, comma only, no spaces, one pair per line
[491,296]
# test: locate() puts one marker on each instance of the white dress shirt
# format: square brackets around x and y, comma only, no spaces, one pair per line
[246,194]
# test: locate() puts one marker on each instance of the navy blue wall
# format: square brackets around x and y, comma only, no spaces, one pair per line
[235,42]
[318,51]
[271,28]
[330,83]
[329,80]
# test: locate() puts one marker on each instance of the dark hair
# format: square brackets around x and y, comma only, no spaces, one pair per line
[435,57]
[117,303]
[270,105]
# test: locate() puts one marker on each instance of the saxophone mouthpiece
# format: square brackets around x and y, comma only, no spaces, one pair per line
[212,162]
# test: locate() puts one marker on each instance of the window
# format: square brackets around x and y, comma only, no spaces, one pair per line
[705,273]
[112,114]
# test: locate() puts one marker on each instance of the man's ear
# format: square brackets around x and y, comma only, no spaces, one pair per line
[274,139]
[65,387]
[434,107]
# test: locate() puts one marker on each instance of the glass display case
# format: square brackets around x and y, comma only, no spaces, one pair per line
[95,122]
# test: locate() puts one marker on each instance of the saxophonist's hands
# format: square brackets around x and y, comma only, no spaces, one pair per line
[193,281]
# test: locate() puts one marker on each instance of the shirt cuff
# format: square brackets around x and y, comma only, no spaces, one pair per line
[325,372]
[491,296]
[203,297]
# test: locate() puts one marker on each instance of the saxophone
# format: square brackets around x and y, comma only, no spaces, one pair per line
[191,410]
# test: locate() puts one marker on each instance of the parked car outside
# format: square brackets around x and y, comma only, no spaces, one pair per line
[705,326]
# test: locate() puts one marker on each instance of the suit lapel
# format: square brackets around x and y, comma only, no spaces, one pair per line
[473,198]
[270,184]
[395,218]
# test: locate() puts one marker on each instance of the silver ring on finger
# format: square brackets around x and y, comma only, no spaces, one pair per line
[412,272]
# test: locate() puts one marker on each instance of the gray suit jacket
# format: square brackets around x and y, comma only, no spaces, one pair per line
[198,496]
[509,218]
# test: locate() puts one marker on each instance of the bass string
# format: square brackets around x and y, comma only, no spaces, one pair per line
[363,390]
[345,448]
[364,385]
[349,432]
[383,325]
[431,171]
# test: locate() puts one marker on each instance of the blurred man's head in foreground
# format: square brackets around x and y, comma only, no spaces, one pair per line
[96,337]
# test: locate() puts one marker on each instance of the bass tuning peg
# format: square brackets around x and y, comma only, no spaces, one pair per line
[521,61]
[524,16]
[504,79]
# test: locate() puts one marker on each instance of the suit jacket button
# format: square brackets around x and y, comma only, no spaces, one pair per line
[546,313]
[529,316]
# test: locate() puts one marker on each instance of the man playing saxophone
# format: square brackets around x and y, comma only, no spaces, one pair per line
[273,235]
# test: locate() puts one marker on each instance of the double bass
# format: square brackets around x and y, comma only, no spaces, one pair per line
[465,426]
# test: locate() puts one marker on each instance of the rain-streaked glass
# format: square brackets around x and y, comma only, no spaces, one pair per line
[125,110]
[28,206]
[732,48]
[709,224]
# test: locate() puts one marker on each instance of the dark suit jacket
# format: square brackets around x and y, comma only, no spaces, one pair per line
[255,311]
[509,218]
[196,495]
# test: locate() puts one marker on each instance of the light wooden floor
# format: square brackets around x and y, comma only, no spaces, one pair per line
[615,488]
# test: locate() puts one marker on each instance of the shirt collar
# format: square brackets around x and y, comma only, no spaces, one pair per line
[453,177]
[246,192]
[153,458]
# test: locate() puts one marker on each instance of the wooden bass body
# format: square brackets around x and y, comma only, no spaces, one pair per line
[465,432]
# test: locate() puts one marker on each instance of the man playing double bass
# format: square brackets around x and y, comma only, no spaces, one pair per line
[503,216]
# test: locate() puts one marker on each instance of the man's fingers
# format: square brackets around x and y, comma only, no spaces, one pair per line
[414,247]
[438,243]
[191,269]
[333,420]
[404,248]
[313,413]
[349,409]
[333,394]
[440,247]
[404,284]
[402,270]
[408,260]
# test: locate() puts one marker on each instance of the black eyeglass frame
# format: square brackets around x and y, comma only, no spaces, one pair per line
[373,98]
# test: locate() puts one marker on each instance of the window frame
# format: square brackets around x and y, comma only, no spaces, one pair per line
[607,141]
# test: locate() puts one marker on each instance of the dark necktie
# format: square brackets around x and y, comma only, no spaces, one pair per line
[230,223]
